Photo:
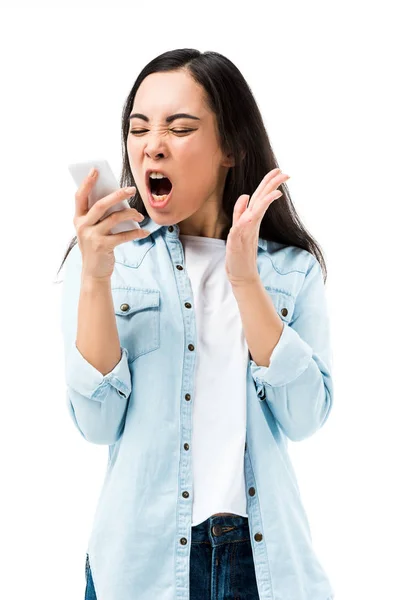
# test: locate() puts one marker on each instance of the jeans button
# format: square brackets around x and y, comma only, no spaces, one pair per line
[217,529]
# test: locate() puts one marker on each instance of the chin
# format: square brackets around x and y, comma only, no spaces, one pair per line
[159,218]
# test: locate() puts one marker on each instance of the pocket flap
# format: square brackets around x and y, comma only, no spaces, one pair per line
[130,300]
[284,304]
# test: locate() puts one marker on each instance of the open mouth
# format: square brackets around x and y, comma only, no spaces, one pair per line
[160,188]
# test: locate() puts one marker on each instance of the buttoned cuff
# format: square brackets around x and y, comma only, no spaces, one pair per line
[85,379]
[289,359]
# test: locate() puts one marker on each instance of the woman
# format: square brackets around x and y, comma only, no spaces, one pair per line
[195,348]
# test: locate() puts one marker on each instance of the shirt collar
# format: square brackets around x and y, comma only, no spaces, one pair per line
[153,227]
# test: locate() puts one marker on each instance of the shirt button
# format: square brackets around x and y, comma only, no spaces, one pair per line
[179,267]
[124,307]
[188,305]
[185,494]
[252,491]
[183,541]
[258,537]
[187,396]
[217,529]
[191,347]
[284,311]
[170,228]
[121,394]
[186,446]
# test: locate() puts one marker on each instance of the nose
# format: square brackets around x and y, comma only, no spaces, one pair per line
[155,155]
[155,145]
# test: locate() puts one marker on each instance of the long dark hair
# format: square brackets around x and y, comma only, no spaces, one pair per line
[242,133]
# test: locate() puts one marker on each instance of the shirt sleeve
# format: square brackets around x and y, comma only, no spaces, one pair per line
[297,385]
[97,403]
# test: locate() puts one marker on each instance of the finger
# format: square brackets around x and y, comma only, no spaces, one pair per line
[105,225]
[262,205]
[262,185]
[127,236]
[239,208]
[100,207]
[82,195]
[267,185]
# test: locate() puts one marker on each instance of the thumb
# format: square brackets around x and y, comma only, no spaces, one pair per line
[240,207]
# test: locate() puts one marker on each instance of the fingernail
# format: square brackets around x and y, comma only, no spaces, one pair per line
[92,172]
[130,189]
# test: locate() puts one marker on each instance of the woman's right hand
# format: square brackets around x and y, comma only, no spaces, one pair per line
[94,238]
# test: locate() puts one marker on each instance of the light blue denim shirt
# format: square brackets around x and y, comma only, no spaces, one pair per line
[141,536]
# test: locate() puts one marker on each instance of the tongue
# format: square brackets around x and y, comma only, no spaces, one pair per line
[163,186]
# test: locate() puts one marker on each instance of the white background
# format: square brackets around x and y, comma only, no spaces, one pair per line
[324,76]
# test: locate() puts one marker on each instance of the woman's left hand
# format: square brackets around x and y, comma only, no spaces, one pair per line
[242,241]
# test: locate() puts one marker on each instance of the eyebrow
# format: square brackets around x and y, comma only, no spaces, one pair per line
[168,119]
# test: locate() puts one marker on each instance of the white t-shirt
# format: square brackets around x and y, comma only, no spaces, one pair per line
[219,403]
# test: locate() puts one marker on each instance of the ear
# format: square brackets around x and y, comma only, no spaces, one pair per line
[230,161]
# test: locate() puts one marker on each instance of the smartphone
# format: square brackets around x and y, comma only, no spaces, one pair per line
[106,183]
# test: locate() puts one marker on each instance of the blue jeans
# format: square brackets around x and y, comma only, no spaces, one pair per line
[221,561]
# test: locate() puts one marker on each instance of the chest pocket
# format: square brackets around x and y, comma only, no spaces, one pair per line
[283,302]
[137,313]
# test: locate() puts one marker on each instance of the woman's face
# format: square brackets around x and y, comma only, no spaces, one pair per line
[192,159]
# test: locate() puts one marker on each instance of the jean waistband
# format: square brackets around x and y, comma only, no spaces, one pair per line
[221,530]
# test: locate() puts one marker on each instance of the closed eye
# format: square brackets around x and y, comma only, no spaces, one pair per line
[137,131]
